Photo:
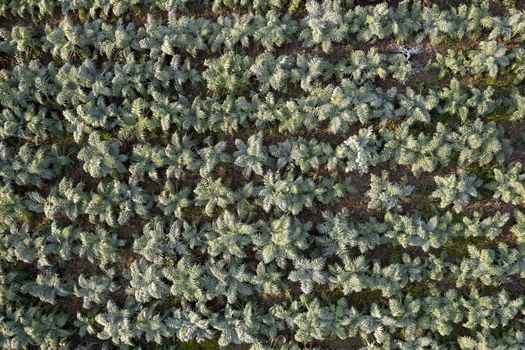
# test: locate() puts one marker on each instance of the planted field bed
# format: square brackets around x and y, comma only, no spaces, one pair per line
[262,174]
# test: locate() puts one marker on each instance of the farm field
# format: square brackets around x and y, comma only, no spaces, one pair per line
[262,174]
